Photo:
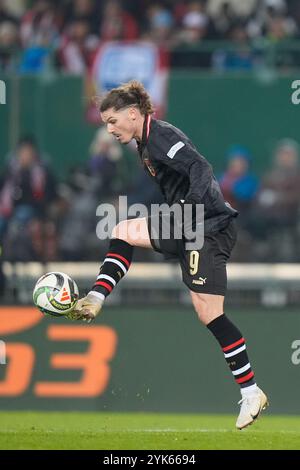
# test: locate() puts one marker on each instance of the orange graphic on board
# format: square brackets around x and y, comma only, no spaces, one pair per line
[94,363]
[21,357]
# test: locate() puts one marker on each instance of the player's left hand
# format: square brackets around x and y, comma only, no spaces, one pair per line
[86,308]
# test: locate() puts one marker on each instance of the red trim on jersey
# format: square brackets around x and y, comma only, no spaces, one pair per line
[104,284]
[148,124]
[246,378]
[233,345]
[119,257]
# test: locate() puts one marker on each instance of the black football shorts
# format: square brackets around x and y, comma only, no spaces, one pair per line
[202,270]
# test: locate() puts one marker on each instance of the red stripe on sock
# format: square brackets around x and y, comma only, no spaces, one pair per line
[120,257]
[233,345]
[104,284]
[246,378]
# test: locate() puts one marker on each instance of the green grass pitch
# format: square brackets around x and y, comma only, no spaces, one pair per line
[140,431]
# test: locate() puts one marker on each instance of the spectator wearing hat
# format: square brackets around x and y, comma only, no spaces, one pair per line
[160,23]
[238,184]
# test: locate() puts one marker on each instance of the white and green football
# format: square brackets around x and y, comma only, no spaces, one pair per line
[55,294]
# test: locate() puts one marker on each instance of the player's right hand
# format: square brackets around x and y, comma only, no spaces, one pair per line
[86,308]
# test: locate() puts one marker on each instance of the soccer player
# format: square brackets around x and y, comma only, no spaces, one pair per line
[185,177]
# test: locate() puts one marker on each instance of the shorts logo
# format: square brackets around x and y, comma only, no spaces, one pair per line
[201,281]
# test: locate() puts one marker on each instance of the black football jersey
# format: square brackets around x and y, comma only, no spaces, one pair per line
[182,173]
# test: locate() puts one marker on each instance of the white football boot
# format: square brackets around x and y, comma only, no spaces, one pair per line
[87,308]
[252,404]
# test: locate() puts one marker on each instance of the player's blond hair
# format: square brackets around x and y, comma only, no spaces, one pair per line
[132,93]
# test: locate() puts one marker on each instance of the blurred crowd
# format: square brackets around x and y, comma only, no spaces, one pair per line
[45,220]
[36,34]
[269,206]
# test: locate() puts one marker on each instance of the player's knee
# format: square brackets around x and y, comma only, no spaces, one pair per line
[205,308]
[121,231]
[202,307]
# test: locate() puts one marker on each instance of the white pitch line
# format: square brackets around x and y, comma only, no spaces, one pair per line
[169,430]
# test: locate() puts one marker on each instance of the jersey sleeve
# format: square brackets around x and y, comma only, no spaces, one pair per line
[178,152]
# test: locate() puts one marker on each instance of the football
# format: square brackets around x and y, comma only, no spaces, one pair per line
[55,294]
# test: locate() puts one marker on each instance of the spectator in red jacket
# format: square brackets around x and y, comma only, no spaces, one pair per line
[117,24]
[26,187]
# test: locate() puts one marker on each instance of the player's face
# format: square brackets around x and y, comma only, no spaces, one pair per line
[121,124]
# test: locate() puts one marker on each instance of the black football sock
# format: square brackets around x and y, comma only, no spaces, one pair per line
[234,348]
[115,265]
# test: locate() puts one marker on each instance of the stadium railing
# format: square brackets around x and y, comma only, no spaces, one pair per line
[270,285]
[285,52]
